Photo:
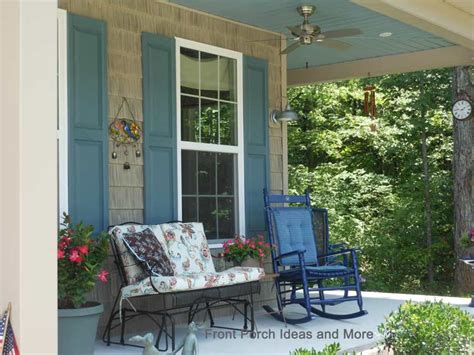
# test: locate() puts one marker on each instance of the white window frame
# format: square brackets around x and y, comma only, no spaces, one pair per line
[217,148]
[62,126]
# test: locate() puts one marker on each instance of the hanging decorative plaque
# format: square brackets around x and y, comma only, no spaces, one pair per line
[125,132]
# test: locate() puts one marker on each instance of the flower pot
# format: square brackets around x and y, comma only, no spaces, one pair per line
[251,262]
[77,329]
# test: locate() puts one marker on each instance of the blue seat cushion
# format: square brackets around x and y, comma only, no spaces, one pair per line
[317,272]
[294,231]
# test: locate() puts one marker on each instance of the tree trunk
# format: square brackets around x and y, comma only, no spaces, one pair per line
[428,212]
[463,169]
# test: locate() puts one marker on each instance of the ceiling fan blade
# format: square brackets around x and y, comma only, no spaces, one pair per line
[342,33]
[331,43]
[291,47]
[296,30]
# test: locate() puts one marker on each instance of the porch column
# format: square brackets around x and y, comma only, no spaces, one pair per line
[28,168]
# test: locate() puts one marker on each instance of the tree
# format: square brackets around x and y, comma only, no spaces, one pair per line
[463,166]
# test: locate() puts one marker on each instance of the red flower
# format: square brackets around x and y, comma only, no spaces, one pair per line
[102,276]
[75,257]
[60,254]
[83,249]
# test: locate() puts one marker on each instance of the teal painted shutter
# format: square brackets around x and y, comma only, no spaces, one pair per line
[87,122]
[159,103]
[256,142]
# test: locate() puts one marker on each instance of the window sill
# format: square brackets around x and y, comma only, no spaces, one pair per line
[214,245]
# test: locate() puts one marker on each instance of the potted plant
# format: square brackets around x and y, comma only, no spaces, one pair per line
[248,252]
[80,259]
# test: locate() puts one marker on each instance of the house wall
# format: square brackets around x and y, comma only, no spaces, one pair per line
[126,20]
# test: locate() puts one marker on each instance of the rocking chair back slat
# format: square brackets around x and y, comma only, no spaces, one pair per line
[321,231]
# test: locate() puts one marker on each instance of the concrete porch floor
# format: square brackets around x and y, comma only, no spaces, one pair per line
[275,338]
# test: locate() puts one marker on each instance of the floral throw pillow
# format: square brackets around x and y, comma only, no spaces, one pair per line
[146,248]
[187,247]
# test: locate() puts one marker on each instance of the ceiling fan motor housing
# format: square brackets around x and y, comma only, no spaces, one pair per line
[306,10]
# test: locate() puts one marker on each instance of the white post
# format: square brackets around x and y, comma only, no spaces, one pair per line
[28,171]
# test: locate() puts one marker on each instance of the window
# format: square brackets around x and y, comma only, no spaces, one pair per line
[210,138]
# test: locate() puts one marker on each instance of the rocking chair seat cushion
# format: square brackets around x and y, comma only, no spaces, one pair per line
[318,271]
[193,281]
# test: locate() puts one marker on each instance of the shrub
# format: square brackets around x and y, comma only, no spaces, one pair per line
[330,349]
[428,328]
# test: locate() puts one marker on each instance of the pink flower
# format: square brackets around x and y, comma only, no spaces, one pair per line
[227,250]
[240,246]
[260,243]
[83,249]
[75,257]
[60,254]
[102,276]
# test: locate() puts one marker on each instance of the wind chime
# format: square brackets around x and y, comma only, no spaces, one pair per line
[369,101]
[125,132]
[369,105]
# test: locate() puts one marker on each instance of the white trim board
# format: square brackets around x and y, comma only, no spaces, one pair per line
[238,150]
[62,134]
[434,16]
[392,64]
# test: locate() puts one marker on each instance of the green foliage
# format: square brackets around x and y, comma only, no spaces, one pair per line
[368,172]
[80,259]
[428,328]
[330,349]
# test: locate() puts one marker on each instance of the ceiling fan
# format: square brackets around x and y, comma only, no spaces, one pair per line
[308,33]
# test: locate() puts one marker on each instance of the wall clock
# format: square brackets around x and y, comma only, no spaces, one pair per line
[462,109]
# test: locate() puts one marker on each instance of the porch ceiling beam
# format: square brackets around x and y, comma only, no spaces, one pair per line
[435,16]
[400,63]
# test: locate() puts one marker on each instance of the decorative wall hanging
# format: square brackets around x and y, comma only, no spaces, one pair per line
[125,132]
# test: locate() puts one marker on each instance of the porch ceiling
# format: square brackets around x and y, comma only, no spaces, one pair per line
[275,15]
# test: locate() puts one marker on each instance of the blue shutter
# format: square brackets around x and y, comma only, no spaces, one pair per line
[256,142]
[159,103]
[87,122]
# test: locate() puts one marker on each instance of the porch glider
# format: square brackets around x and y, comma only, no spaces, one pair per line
[302,273]
[173,260]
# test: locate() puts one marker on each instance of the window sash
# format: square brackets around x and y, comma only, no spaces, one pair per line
[217,148]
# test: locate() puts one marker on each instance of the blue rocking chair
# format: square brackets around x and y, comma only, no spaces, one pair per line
[300,270]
